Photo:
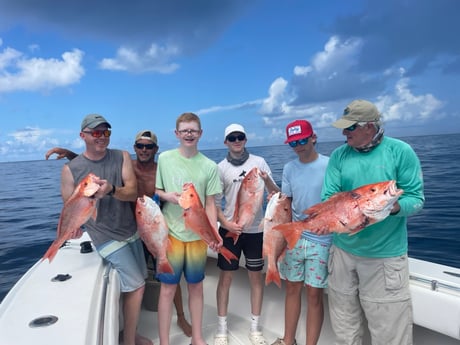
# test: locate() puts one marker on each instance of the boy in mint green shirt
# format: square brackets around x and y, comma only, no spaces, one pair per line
[188,252]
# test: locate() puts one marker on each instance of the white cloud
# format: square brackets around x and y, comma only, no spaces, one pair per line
[403,105]
[19,72]
[29,135]
[155,59]
[222,108]
[277,97]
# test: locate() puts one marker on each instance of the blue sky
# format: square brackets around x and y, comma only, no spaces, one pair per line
[262,63]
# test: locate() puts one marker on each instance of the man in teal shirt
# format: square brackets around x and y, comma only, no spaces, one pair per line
[368,271]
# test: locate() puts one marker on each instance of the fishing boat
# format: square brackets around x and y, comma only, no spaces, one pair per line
[75,299]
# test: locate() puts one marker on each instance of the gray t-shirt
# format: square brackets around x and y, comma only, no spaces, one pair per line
[115,219]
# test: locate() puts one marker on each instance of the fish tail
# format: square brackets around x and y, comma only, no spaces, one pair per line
[273,275]
[290,232]
[227,254]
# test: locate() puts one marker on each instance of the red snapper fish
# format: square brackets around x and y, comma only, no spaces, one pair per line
[196,219]
[153,230]
[278,211]
[77,210]
[249,201]
[346,212]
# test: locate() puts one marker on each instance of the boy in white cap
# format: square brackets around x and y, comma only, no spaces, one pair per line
[232,171]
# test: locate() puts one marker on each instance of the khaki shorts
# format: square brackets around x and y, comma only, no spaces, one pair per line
[373,288]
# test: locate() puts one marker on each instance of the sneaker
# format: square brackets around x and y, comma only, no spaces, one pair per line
[257,338]
[280,341]
[221,339]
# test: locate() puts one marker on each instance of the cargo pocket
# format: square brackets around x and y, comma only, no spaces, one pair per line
[396,273]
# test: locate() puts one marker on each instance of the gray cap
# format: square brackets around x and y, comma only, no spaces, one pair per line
[93,120]
[358,111]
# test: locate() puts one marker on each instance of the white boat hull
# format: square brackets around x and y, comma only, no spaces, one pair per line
[87,305]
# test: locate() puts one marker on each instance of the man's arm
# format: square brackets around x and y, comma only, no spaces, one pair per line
[61,153]
[127,192]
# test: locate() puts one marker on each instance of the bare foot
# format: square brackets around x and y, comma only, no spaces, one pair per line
[140,340]
[184,325]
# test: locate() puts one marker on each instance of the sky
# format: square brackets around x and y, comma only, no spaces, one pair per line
[260,63]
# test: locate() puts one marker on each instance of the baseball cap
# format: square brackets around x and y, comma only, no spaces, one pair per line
[234,127]
[148,135]
[93,120]
[298,129]
[358,111]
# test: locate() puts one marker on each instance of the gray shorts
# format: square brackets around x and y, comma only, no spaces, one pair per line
[127,258]
[373,288]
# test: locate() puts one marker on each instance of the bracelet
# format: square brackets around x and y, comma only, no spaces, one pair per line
[112,192]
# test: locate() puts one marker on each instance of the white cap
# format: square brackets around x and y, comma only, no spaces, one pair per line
[234,127]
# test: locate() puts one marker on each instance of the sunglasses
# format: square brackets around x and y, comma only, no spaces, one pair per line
[233,138]
[97,133]
[145,146]
[294,143]
[352,127]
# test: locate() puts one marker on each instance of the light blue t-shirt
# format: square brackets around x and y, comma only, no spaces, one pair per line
[303,182]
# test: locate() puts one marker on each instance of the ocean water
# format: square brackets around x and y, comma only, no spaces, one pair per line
[30,204]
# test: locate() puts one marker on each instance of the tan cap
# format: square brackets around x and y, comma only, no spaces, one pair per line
[148,135]
[358,111]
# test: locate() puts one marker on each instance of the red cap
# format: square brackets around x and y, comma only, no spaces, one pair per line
[298,129]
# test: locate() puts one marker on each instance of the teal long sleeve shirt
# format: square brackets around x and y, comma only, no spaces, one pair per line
[392,159]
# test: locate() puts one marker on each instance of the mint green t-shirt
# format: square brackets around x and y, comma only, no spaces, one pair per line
[392,159]
[173,171]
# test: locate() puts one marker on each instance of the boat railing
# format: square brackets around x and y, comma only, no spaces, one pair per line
[434,284]
[105,283]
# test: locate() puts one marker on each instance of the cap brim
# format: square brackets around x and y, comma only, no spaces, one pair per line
[342,123]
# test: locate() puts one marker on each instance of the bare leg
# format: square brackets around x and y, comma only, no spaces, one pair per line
[195,303]
[222,292]
[165,302]
[131,309]
[292,310]
[315,314]
[257,291]
[181,320]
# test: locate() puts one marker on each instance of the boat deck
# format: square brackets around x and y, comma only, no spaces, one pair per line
[272,319]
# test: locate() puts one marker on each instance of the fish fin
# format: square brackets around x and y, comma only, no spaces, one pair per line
[52,250]
[227,254]
[164,266]
[168,245]
[233,235]
[291,232]
[261,224]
